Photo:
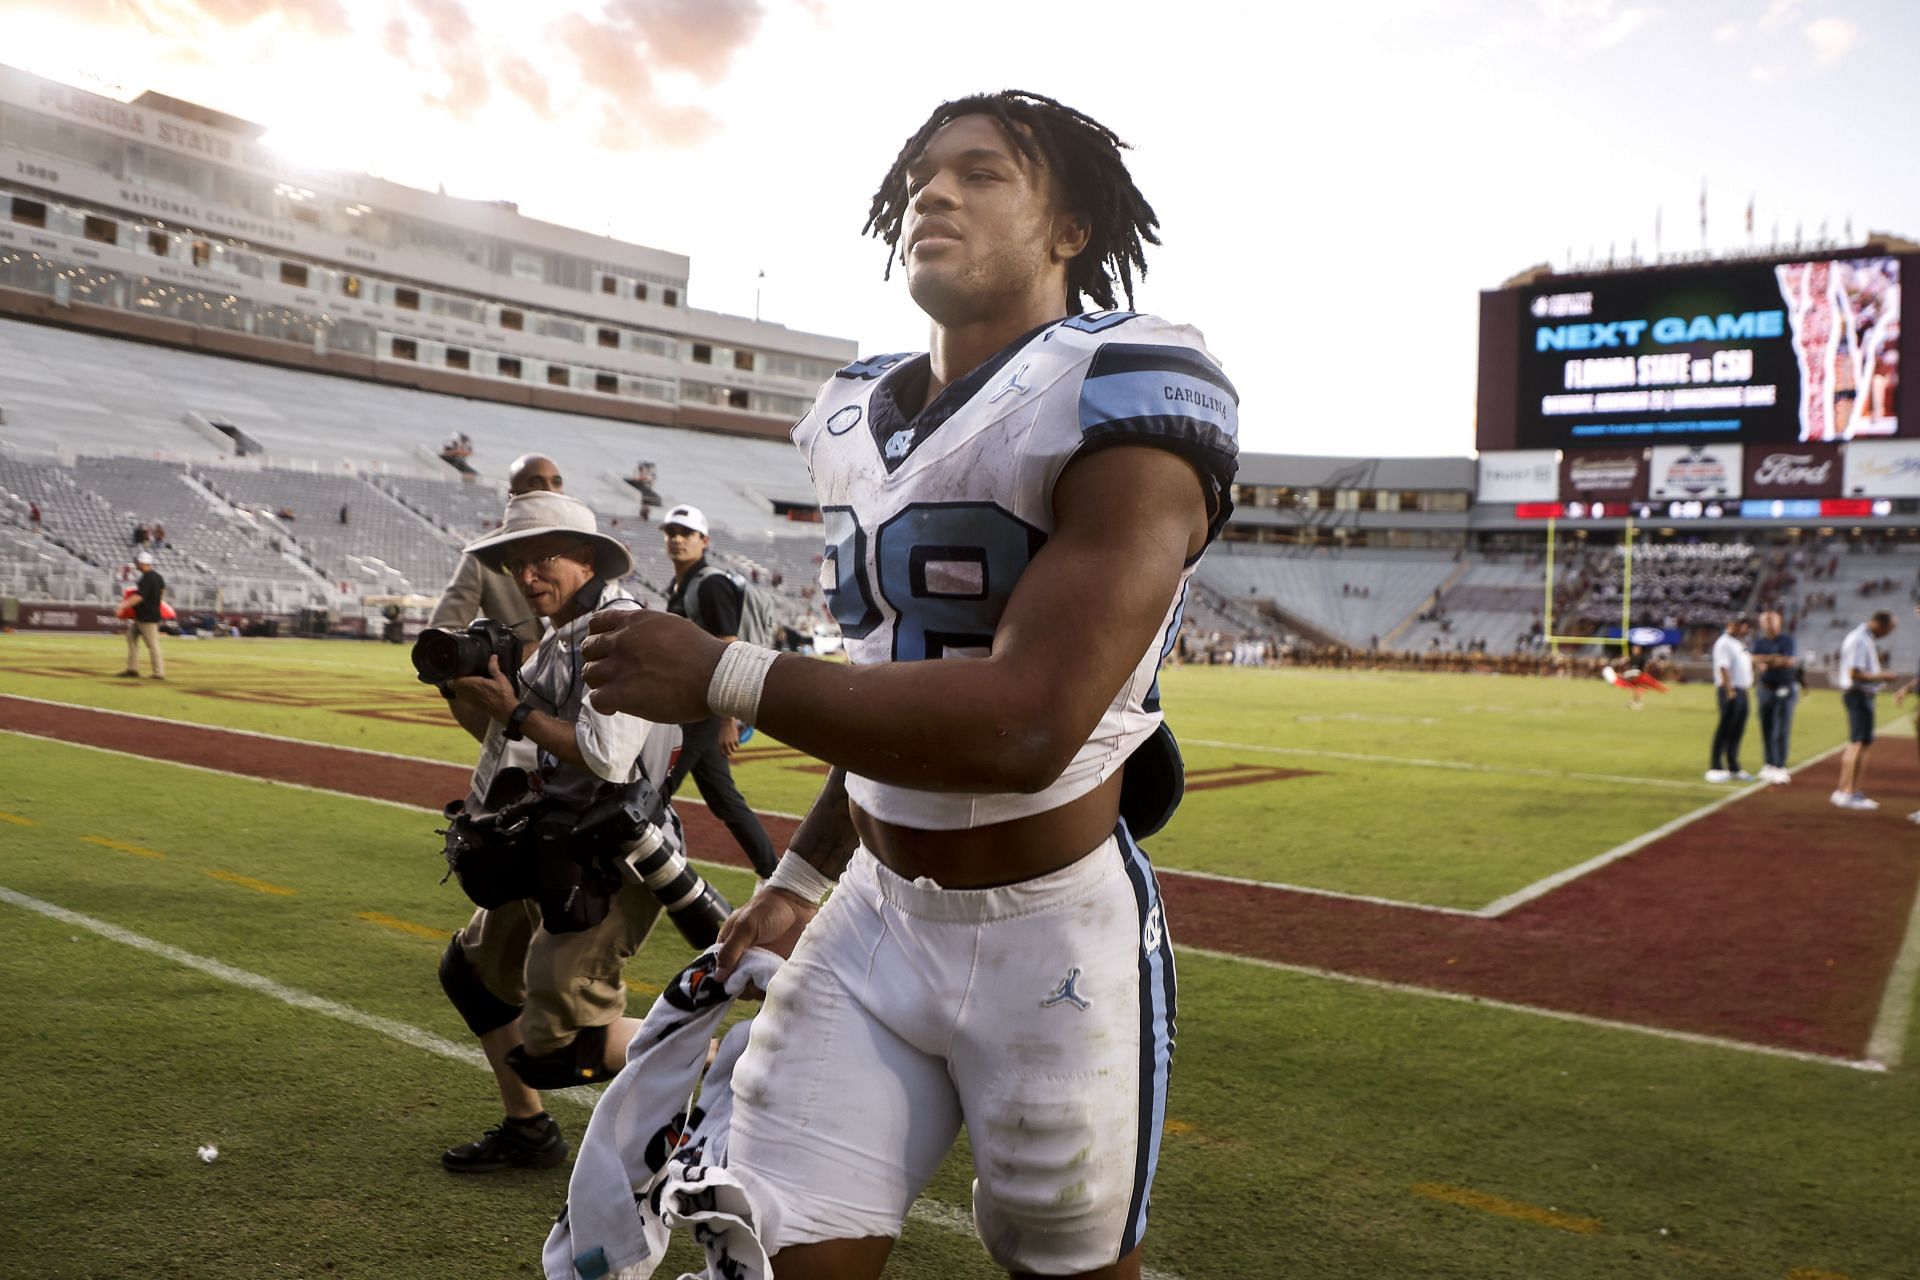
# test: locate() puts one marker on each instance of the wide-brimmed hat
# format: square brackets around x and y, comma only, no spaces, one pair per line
[529,515]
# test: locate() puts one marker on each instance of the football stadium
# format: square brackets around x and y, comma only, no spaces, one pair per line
[1483,970]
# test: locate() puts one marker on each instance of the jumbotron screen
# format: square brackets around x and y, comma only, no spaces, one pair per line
[1767,352]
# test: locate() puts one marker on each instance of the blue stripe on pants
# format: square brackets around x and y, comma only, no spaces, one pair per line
[1156,1030]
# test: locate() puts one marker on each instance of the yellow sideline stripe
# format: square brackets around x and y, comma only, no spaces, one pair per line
[644,988]
[1518,1210]
[138,850]
[1177,1126]
[404,926]
[1813,1273]
[16,819]
[248,882]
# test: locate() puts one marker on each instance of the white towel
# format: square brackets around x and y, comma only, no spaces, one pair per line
[650,1159]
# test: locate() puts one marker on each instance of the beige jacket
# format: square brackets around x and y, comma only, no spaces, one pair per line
[477,591]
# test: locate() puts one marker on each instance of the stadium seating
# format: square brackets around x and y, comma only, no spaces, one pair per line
[1382,588]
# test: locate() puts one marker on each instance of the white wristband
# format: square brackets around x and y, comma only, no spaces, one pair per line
[737,680]
[800,878]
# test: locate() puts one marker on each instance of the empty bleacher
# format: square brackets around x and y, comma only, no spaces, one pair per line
[1353,596]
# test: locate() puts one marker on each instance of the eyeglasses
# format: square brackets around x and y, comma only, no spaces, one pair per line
[514,566]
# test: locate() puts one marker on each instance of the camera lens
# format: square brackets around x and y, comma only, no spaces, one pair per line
[695,907]
[440,654]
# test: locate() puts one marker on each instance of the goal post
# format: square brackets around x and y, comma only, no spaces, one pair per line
[1553,640]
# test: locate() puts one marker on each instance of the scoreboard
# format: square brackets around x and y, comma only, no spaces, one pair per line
[1804,352]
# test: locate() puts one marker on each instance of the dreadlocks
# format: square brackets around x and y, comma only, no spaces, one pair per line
[1081,153]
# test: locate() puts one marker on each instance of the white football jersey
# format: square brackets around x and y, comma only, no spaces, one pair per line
[931,519]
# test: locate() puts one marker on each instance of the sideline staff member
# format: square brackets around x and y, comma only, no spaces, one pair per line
[146,598]
[476,591]
[715,606]
[1859,678]
[555,997]
[1733,682]
[1778,693]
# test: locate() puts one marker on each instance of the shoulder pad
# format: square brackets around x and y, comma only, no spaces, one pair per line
[873,366]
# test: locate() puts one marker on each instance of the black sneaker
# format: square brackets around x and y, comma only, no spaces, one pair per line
[129,675]
[511,1144]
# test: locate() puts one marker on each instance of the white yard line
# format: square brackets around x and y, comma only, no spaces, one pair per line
[934,1213]
[1540,888]
[1559,1015]
[1888,1043]
[1462,766]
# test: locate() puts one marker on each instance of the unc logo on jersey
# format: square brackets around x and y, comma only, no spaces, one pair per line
[1152,935]
[843,420]
[900,443]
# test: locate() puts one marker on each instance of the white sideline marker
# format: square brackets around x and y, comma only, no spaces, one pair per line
[1540,888]
[1888,1043]
[1461,766]
[931,1212]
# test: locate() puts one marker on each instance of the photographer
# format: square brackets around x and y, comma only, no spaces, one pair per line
[479,591]
[536,972]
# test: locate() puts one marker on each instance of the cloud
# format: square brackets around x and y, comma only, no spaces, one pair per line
[522,79]
[1726,32]
[1831,38]
[618,56]
[1778,12]
[1763,74]
[322,17]
[1620,27]
[451,43]
[1592,24]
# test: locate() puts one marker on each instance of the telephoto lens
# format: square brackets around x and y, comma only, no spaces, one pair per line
[695,907]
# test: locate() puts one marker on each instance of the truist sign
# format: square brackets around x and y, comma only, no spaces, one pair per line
[1793,471]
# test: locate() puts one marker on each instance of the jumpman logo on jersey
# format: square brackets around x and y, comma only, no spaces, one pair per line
[1011,386]
[1065,993]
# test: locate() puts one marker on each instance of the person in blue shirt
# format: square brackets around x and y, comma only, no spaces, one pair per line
[1775,654]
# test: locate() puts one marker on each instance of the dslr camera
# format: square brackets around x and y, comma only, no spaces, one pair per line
[621,830]
[441,654]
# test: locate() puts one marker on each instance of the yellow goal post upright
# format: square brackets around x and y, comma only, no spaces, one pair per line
[1626,596]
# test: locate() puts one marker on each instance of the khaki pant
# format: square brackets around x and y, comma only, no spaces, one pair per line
[565,982]
[150,632]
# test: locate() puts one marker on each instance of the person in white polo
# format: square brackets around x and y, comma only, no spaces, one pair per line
[1733,689]
[1860,677]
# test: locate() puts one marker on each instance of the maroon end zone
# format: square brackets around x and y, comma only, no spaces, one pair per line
[1774,921]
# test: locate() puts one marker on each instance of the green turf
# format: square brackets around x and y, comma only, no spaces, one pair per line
[1382,827]
[1306,1110]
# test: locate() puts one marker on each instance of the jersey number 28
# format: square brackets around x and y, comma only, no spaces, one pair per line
[942,570]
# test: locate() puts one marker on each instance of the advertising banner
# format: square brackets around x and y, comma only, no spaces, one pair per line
[1531,475]
[1705,471]
[1604,475]
[1883,469]
[1793,471]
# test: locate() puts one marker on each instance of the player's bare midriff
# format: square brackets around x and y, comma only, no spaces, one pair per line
[1004,853]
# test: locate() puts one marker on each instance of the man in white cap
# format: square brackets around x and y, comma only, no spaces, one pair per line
[713,599]
[148,592]
[476,591]
[547,1003]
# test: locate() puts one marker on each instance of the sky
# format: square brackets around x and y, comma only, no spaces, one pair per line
[1335,183]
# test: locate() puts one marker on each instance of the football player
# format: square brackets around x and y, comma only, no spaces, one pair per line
[1011,520]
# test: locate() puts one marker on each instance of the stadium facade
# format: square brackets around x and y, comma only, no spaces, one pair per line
[165,221]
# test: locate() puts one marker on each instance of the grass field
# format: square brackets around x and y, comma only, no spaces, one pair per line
[252,966]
